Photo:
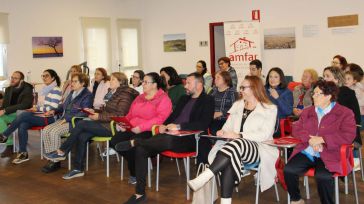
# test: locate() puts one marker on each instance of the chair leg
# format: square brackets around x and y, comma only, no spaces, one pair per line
[87,146]
[107,160]
[257,188]
[307,187]
[337,190]
[157,177]
[179,172]
[14,141]
[361,164]
[213,189]
[346,185]
[41,144]
[69,160]
[276,189]
[149,174]
[355,188]
[100,151]
[188,177]
[117,157]
[122,168]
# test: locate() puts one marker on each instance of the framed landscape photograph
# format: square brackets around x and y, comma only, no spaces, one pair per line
[280,38]
[47,47]
[174,42]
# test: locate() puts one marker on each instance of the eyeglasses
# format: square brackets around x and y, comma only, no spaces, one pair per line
[135,77]
[313,94]
[147,82]
[334,62]
[45,75]
[243,87]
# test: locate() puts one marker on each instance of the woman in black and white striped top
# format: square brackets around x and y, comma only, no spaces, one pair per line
[251,122]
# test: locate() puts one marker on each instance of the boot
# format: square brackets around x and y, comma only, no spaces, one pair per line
[201,180]
[301,201]
[225,201]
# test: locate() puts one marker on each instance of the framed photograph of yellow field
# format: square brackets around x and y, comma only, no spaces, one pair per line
[47,47]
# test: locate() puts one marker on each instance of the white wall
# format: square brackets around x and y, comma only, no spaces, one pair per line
[193,17]
[61,18]
[58,18]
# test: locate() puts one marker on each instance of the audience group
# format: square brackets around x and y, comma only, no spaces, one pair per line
[328,110]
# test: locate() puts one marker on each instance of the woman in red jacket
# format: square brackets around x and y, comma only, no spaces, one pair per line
[322,128]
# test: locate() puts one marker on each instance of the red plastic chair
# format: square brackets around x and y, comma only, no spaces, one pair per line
[344,151]
[285,125]
[186,160]
[292,85]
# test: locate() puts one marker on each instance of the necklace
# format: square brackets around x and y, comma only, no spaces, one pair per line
[246,112]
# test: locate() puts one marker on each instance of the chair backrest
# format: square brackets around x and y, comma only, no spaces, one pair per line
[292,85]
[285,125]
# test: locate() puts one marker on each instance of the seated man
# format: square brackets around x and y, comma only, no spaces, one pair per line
[18,96]
[193,111]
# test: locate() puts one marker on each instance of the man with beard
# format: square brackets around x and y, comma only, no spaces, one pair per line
[193,111]
[18,96]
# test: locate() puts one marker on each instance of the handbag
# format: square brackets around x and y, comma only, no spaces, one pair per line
[208,193]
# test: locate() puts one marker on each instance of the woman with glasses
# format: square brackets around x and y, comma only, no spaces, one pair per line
[137,79]
[322,128]
[339,62]
[40,115]
[66,88]
[224,65]
[251,122]
[148,109]
[279,94]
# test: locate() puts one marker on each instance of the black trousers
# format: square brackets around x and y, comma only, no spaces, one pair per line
[153,146]
[205,144]
[299,165]
[129,155]
[80,135]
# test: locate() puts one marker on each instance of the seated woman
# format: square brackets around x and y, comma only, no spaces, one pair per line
[201,68]
[173,83]
[279,94]
[339,62]
[224,95]
[66,88]
[119,99]
[302,93]
[50,98]
[346,97]
[148,109]
[322,128]
[137,80]
[251,122]
[99,87]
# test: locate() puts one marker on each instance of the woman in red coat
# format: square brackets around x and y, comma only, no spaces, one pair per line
[323,128]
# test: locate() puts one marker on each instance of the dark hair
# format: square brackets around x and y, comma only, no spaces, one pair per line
[104,73]
[174,79]
[342,60]
[283,83]
[21,74]
[141,75]
[225,59]
[203,63]
[54,75]
[356,71]
[198,77]
[328,88]
[257,63]
[156,79]
[82,78]
[226,77]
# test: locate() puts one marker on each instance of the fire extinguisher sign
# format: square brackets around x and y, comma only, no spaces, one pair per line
[256,15]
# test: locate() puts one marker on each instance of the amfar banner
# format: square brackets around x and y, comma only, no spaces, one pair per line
[242,45]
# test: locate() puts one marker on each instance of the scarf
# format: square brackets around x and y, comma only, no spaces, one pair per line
[48,88]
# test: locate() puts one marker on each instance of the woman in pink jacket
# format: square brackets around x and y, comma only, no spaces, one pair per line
[322,128]
[148,109]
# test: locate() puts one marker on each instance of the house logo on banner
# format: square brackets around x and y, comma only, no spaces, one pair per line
[242,45]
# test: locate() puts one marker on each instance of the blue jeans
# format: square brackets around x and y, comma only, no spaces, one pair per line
[80,135]
[23,122]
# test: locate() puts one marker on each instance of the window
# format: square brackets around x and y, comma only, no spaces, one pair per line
[129,45]
[97,44]
[4,39]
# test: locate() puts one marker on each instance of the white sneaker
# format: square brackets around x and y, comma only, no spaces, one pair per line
[111,152]
[356,164]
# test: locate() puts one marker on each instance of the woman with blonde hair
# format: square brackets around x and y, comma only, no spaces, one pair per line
[251,122]
[302,93]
